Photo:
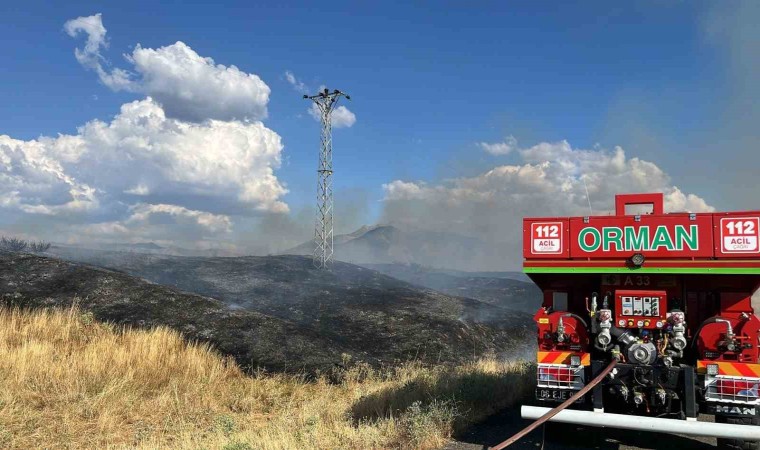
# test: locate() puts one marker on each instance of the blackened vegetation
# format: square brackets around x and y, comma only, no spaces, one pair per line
[253,339]
[279,312]
[506,289]
[39,247]
[13,244]
[19,245]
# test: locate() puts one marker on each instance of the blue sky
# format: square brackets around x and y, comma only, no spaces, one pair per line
[429,82]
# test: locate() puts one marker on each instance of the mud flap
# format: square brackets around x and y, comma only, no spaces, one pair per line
[596,393]
[690,397]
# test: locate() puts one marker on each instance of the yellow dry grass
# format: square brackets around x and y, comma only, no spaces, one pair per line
[68,381]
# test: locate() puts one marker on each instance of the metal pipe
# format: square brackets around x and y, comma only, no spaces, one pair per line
[552,412]
[729,328]
[642,423]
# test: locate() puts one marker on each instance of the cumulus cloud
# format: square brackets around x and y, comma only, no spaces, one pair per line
[190,165]
[189,87]
[500,148]
[34,182]
[167,224]
[142,165]
[342,117]
[550,181]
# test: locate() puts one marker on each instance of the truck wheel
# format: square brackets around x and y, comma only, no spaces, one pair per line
[738,444]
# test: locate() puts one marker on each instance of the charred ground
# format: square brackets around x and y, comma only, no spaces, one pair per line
[273,312]
[252,338]
[504,289]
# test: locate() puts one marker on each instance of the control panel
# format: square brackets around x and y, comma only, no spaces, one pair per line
[640,309]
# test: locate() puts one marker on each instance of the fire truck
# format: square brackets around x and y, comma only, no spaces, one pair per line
[672,298]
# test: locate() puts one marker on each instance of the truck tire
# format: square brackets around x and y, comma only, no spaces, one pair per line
[738,444]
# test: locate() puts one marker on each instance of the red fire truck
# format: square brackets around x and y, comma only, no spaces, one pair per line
[671,297]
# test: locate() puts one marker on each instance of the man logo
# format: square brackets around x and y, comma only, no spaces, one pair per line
[743,411]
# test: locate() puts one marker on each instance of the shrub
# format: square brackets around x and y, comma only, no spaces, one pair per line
[13,244]
[39,247]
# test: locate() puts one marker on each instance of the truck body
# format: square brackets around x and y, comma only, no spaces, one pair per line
[675,298]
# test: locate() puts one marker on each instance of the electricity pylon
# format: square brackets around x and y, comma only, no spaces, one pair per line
[323,231]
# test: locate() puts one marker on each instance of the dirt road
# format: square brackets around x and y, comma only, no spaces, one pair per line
[561,436]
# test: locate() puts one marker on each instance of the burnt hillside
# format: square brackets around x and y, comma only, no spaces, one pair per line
[499,289]
[252,338]
[368,315]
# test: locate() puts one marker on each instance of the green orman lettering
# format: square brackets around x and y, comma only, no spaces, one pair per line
[594,246]
[662,239]
[684,239]
[637,242]
[612,235]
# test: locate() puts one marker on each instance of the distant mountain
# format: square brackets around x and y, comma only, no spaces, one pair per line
[387,244]
[144,247]
[368,315]
[512,290]
[139,245]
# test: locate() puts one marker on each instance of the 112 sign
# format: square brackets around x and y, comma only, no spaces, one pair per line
[546,238]
[740,234]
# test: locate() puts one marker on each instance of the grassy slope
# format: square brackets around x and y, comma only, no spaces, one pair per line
[68,381]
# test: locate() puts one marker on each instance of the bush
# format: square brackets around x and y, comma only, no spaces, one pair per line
[19,245]
[424,423]
[13,244]
[39,247]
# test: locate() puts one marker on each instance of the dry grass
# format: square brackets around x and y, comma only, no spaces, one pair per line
[67,381]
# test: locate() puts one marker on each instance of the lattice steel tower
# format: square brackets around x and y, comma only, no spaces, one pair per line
[323,231]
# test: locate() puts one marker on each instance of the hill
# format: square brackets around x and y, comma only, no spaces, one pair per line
[252,338]
[506,289]
[363,313]
[387,244]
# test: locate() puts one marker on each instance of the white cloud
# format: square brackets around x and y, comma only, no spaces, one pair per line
[33,178]
[93,27]
[198,176]
[549,182]
[342,117]
[168,224]
[297,84]
[500,148]
[188,86]
[191,87]
[140,189]
[214,223]
[178,169]
[552,180]
[90,57]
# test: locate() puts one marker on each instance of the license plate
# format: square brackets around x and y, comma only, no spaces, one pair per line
[556,395]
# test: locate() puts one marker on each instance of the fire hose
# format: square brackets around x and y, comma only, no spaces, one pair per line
[559,408]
